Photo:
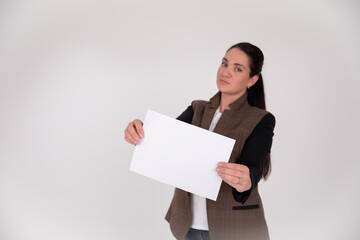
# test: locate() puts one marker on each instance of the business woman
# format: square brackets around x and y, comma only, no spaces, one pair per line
[236,111]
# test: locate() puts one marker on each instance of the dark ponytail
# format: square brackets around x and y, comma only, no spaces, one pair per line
[256,94]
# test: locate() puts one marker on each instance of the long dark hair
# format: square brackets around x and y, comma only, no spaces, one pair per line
[256,94]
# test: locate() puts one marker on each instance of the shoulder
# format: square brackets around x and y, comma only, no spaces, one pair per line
[266,116]
[267,121]
[199,106]
[199,103]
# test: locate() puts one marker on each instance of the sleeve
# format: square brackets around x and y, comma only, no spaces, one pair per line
[255,152]
[187,115]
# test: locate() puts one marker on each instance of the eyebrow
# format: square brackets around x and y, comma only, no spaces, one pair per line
[237,64]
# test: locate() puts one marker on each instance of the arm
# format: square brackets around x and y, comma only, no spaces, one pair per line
[255,151]
[187,115]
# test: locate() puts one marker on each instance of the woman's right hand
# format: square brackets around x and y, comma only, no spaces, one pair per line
[134,132]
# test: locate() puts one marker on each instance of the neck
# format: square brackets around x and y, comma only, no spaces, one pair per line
[227,99]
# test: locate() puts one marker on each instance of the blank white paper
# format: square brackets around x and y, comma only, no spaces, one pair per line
[181,155]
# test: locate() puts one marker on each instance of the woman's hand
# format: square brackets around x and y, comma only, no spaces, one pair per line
[134,132]
[236,175]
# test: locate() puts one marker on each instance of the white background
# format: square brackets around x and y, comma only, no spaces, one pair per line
[74,73]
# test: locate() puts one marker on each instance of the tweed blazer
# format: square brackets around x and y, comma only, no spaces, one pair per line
[227,218]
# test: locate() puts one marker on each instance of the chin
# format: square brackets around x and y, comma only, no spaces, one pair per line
[229,92]
[224,90]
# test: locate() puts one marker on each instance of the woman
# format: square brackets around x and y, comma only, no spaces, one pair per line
[236,111]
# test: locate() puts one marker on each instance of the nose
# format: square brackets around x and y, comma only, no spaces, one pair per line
[226,72]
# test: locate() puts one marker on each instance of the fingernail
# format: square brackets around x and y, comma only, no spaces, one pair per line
[141,135]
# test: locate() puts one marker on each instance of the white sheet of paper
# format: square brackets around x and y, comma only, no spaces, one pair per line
[181,155]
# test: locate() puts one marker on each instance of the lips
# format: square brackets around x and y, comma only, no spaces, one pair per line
[222,81]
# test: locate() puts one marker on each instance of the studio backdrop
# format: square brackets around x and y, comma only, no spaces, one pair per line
[74,73]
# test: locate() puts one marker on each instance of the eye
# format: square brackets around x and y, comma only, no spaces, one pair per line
[238,70]
[224,64]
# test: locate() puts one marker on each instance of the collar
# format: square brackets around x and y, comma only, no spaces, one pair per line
[238,103]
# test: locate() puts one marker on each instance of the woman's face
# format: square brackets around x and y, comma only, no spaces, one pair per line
[233,76]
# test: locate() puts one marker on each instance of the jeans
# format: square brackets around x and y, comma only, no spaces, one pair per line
[195,234]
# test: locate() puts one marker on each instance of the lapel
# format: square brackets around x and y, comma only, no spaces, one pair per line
[210,110]
[228,116]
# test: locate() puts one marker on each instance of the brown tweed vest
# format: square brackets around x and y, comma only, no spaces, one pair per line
[227,218]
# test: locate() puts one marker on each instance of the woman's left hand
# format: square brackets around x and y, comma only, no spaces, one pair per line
[236,175]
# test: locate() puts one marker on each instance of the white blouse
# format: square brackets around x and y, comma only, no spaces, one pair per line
[198,203]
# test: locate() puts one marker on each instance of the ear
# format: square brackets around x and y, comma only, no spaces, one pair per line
[252,80]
